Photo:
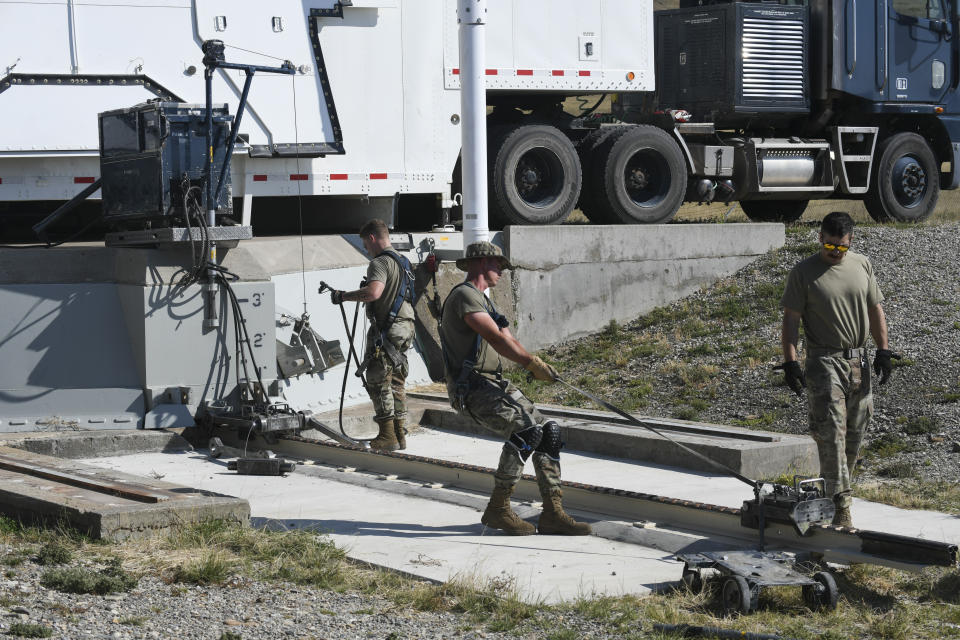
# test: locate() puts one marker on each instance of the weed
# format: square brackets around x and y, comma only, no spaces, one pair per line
[886,445]
[134,621]
[899,470]
[29,630]
[940,302]
[230,635]
[14,559]
[110,579]
[685,412]
[54,553]
[214,568]
[920,425]
[951,397]
[956,325]
[762,421]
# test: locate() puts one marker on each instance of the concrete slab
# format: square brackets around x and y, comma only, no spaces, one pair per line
[90,444]
[105,504]
[426,538]
[757,454]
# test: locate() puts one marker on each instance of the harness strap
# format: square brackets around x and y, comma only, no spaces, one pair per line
[468,365]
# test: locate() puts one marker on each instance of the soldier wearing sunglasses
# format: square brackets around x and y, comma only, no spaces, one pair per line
[835,294]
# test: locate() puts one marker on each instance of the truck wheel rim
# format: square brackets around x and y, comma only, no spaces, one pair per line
[539,177]
[646,178]
[909,181]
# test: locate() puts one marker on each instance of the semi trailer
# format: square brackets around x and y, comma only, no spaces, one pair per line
[767,103]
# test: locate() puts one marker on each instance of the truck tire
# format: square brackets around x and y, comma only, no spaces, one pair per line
[774,210]
[905,182]
[534,175]
[640,176]
[587,150]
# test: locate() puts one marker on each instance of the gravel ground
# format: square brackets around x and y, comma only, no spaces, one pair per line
[919,408]
[248,609]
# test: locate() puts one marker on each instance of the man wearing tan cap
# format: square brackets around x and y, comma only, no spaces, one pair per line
[473,337]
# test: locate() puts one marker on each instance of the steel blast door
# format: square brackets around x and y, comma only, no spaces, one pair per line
[918,63]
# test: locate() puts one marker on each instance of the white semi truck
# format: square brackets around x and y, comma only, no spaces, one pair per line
[768,103]
[372,114]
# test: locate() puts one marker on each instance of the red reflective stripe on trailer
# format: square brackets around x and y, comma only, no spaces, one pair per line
[456,72]
[84,180]
[259,177]
[298,176]
[557,72]
[338,176]
[491,72]
[584,73]
[378,176]
[1,180]
[524,72]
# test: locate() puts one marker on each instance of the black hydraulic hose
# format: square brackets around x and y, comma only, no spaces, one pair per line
[717,465]
[351,331]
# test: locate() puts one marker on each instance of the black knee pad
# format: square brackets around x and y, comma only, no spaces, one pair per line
[527,441]
[550,443]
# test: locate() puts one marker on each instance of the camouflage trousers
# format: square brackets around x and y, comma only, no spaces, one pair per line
[385,378]
[840,407]
[503,409]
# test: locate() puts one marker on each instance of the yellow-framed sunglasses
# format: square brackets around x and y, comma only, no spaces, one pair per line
[842,248]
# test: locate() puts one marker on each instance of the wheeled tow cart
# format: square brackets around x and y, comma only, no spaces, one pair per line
[745,573]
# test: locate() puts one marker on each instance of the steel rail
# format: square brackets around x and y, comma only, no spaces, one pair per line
[834,543]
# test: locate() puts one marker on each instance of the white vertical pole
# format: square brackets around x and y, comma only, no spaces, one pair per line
[472,15]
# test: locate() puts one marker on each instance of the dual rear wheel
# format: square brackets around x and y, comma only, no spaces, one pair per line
[624,174]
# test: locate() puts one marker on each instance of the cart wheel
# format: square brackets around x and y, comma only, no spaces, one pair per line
[692,580]
[822,595]
[736,595]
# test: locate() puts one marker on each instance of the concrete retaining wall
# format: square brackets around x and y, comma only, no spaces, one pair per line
[573,280]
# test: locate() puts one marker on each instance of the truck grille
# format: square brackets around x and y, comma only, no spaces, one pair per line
[773,60]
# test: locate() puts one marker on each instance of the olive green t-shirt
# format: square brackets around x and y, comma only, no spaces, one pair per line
[386,270]
[457,335]
[833,300]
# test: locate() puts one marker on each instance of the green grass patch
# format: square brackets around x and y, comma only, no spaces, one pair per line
[213,568]
[134,621]
[29,630]
[110,579]
[495,602]
[914,493]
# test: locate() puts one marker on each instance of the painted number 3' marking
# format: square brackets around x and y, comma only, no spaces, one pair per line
[257,299]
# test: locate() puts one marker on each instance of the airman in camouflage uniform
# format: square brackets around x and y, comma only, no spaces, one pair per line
[390,335]
[835,295]
[473,337]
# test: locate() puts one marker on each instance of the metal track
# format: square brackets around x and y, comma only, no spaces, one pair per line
[834,543]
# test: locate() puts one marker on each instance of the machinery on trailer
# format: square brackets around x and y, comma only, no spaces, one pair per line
[768,103]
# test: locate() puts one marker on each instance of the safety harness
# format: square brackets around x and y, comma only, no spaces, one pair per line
[468,366]
[404,294]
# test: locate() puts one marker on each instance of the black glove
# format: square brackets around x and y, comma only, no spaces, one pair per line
[336,296]
[882,365]
[793,376]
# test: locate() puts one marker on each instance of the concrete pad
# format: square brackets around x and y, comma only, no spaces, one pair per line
[105,504]
[430,539]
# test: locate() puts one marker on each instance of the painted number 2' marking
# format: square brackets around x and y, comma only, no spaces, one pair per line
[258,340]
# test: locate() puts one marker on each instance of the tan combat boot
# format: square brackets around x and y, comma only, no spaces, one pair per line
[387,439]
[842,516]
[555,521]
[401,432]
[499,515]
